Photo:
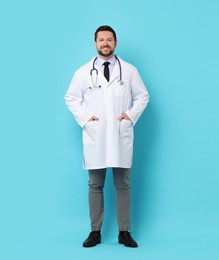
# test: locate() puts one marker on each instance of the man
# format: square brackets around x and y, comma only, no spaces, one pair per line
[107,97]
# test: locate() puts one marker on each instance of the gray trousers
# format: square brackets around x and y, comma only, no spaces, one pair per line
[121,177]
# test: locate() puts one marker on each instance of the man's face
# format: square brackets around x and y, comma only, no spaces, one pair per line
[105,44]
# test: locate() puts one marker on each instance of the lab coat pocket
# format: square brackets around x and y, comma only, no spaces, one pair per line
[126,131]
[89,132]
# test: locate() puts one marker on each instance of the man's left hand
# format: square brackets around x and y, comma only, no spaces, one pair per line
[124,116]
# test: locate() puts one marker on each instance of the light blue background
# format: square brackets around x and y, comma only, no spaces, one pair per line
[43,189]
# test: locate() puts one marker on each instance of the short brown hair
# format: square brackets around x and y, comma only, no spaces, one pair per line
[105,28]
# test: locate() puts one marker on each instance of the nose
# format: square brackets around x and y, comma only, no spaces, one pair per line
[105,42]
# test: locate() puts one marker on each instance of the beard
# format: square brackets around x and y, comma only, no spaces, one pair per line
[105,54]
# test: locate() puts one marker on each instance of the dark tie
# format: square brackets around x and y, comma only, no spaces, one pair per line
[106,69]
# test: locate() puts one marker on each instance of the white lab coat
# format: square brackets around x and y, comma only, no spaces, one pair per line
[107,142]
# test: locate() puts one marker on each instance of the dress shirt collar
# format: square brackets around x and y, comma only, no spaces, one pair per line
[100,61]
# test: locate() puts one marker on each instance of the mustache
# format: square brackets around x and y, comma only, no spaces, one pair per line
[106,46]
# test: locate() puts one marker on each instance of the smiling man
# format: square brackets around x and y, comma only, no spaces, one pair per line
[107,96]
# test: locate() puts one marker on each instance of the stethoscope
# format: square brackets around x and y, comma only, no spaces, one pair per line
[94,83]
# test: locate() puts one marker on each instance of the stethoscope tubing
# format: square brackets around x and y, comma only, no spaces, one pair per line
[94,69]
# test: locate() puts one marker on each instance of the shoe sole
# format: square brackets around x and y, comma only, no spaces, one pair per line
[121,242]
[98,242]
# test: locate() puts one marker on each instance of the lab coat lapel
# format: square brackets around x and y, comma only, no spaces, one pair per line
[115,73]
[101,76]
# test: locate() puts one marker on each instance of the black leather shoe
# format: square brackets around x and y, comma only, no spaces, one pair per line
[126,239]
[93,239]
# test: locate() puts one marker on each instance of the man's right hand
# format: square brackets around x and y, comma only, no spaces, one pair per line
[93,118]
